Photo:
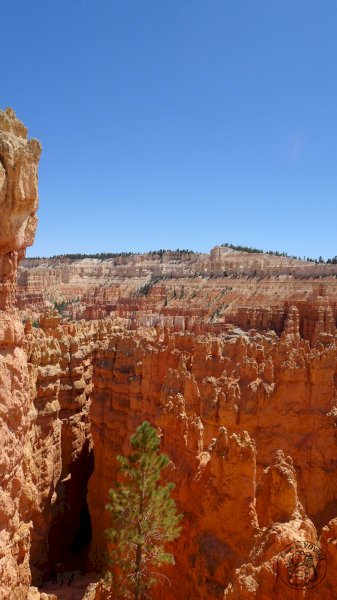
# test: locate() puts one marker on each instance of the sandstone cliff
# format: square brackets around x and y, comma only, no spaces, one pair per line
[18,201]
[187,291]
[248,422]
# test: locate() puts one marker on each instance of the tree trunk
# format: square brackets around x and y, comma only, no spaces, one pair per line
[139,550]
[138,563]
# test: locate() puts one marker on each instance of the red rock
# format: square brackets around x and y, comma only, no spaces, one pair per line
[18,200]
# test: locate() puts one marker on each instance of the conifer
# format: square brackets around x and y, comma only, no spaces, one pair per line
[144,519]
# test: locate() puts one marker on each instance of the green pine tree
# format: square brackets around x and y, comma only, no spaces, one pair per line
[144,519]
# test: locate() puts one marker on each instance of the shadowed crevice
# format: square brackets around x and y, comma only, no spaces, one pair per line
[70,534]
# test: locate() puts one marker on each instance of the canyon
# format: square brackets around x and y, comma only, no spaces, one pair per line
[231,355]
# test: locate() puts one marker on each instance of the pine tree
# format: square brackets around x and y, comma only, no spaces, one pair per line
[144,519]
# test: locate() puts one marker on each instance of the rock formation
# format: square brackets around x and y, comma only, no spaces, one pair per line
[247,420]
[188,291]
[18,201]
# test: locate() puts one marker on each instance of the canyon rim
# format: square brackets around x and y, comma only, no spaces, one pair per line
[231,355]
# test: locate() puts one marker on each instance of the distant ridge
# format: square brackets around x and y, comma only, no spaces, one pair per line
[237,247]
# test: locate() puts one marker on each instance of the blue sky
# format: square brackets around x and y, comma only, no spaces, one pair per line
[178,123]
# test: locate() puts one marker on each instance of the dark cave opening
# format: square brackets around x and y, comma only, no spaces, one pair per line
[83,535]
[70,533]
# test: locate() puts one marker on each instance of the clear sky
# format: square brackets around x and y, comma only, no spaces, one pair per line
[178,123]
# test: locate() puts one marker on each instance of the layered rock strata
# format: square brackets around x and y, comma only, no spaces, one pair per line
[187,291]
[19,158]
[249,424]
[248,421]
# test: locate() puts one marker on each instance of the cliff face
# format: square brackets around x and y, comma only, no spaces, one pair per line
[187,291]
[18,202]
[60,441]
[248,421]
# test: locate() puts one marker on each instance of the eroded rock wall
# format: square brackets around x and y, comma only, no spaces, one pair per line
[186,291]
[59,438]
[59,458]
[248,420]
[249,424]
[19,158]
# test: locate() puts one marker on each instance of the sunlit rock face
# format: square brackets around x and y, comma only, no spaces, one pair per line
[249,424]
[19,158]
[248,421]
[187,291]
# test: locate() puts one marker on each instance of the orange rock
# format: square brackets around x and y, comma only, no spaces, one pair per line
[18,200]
